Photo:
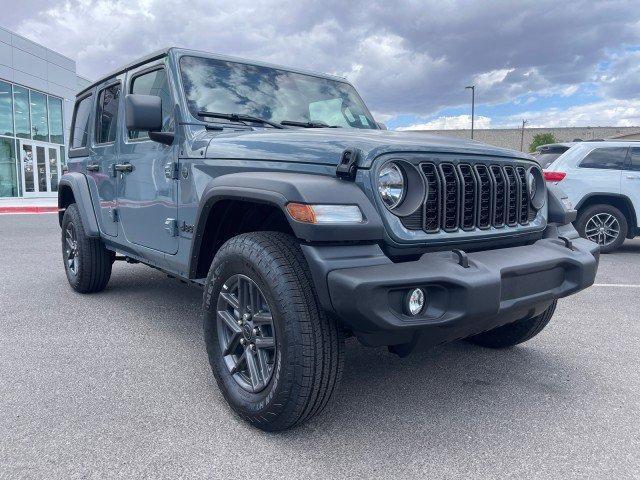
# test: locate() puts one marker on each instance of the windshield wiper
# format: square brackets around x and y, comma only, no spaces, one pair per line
[239,117]
[294,123]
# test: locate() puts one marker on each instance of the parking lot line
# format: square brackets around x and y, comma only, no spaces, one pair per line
[622,285]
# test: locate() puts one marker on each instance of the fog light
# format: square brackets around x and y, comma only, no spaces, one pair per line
[415,301]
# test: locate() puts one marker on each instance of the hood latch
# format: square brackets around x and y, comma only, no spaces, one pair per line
[346,169]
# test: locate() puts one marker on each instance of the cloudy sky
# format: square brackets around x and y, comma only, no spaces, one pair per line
[554,63]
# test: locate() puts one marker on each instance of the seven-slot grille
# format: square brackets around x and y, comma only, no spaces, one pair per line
[467,196]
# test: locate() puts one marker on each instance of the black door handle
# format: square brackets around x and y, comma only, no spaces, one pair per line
[123,167]
[93,167]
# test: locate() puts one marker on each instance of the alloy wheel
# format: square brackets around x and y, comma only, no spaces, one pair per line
[246,334]
[71,248]
[602,228]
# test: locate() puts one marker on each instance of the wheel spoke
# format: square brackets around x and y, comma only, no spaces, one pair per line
[241,360]
[263,364]
[229,321]
[252,366]
[265,342]
[232,345]
[232,300]
[262,318]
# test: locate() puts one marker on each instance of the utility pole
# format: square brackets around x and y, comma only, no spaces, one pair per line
[473,104]
[524,122]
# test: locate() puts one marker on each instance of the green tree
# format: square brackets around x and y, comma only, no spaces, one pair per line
[542,139]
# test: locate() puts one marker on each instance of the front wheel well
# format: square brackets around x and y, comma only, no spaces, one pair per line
[229,218]
[65,198]
[620,202]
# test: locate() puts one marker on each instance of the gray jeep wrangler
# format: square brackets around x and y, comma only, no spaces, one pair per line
[305,222]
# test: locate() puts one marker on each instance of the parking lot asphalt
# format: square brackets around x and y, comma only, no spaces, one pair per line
[117,385]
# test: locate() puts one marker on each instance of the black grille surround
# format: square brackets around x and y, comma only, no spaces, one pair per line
[465,196]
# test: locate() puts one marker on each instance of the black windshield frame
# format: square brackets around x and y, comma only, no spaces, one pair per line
[363,119]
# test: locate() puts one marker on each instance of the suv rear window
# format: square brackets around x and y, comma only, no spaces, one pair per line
[81,116]
[606,158]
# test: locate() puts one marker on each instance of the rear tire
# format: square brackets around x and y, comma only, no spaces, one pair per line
[599,222]
[87,262]
[296,376]
[514,333]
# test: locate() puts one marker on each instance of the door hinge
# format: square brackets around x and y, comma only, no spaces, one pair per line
[172,170]
[171,226]
[113,212]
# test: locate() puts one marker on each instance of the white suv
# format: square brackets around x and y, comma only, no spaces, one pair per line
[602,180]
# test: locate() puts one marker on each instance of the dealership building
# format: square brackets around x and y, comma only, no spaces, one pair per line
[37,91]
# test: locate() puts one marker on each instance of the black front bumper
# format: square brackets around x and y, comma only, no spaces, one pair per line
[367,291]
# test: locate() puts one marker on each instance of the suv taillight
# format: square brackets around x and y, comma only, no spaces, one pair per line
[553,176]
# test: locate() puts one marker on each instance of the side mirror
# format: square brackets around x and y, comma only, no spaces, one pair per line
[143,112]
[381,126]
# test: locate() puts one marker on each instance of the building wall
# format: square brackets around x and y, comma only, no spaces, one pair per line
[31,65]
[510,137]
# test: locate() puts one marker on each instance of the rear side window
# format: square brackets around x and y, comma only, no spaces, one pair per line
[634,159]
[606,158]
[107,114]
[81,115]
[154,83]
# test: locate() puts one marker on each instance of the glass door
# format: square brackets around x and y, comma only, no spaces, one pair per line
[39,169]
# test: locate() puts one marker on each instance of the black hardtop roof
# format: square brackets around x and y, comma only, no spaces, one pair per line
[158,54]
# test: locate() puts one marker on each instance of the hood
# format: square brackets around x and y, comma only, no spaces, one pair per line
[325,145]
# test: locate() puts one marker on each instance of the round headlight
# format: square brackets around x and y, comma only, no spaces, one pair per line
[532,183]
[391,185]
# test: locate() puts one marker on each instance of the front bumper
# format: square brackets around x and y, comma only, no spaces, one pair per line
[498,287]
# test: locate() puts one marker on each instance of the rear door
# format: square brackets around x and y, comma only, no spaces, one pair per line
[104,154]
[630,184]
[600,171]
[148,188]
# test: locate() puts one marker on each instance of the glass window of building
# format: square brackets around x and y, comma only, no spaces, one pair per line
[55,120]
[81,123]
[6,109]
[39,117]
[21,112]
[8,174]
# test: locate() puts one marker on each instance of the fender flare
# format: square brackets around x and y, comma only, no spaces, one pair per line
[278,189]
[77,182]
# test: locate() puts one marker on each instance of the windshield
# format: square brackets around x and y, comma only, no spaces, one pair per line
[220,86]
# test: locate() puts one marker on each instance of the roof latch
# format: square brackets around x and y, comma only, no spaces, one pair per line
[346,169]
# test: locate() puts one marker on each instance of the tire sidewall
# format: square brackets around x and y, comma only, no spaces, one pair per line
[608,209]
[72,216]
[275,394]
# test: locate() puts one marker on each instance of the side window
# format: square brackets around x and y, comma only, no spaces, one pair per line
[606,158]
[107,114]
[154,83]
[634,159]
[81,115]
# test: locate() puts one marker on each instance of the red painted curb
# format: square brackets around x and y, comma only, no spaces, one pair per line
[28,209]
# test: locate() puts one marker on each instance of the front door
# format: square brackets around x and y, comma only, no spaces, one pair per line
[148,185]
[39,169]
[630,184]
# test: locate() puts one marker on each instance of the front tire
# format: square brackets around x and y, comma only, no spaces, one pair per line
[87,262]
[276,356]
[514,333]
[603,224]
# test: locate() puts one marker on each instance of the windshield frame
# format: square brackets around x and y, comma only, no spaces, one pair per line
[223,58]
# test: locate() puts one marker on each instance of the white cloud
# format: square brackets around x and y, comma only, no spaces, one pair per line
[616,113]
[406,57]
[450,123]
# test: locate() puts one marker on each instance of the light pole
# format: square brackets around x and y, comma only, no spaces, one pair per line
[524,122]
[473,104]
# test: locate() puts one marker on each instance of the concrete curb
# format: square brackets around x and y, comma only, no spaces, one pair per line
[26,209]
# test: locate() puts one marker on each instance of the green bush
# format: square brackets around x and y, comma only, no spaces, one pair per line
[542,139]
